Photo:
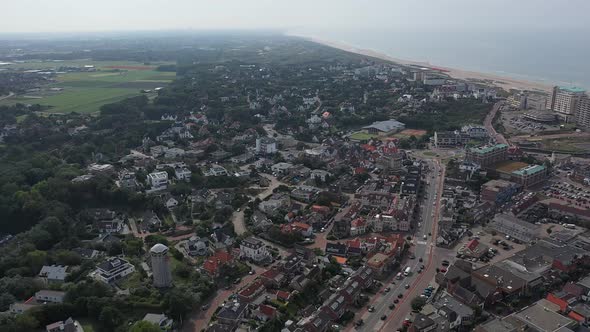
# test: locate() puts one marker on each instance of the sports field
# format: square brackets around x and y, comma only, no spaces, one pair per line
[85,92]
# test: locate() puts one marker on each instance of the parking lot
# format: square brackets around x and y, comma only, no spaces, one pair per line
[515,123]
[487,238]
[575,194]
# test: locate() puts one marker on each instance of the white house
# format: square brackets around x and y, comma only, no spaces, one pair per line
[320,173]
[170,202]
[54,273]
[112,269]
[266,145]
[281,168]
[158,179]
[52,296]
[182,173]
[216,171]
[254,249]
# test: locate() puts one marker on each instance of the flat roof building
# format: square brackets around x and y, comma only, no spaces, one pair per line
[487,155]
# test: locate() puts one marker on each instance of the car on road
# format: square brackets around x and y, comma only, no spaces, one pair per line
[429,234]
[359,322]
[443,270]
[420,260]
[371,308]
[251,272]
[407,286]
[445,263]
[386,290]
[422,267]
[392,306]
[396,301]
[400,295]
[383,317]
[407,322]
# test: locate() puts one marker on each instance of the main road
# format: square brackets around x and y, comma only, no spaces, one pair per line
[489,125]
[423,248]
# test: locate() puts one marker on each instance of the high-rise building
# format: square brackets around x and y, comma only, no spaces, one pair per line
[161,266]
[583,112]
[564,101]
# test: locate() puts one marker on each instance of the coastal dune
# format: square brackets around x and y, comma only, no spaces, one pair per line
[505,83]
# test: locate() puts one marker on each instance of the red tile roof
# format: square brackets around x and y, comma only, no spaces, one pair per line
[554,299]
[576,316]
[267,310]
[251,289]
[271,273]
[471,245]
[285,296]
[210,266]
[360,221]
[356,243]
[220,257]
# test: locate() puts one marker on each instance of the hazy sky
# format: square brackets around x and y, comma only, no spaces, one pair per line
[104,15]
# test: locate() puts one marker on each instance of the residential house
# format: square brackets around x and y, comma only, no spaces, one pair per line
[265,312]
[297,227]
[305,193]
[458,314]
[220,240]
[150,221]
[197,246]
[160,320]
[253,249]
[277,201]
[273,278]
[220,258]
[232,313]
[217,171]
[51,296]
[281,168]
[69,325]
[158,180]
[336,249]
[251,292]
[112,269]
[182,174]
[54,273]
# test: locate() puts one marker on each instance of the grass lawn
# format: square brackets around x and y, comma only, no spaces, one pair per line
[88,324]
[362,136]
[429,153]
[86,92]
[130,282]
[563,145]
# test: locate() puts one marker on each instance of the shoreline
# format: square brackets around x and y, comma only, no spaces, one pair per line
[503,82]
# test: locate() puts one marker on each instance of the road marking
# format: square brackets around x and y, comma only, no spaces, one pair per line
[421,242]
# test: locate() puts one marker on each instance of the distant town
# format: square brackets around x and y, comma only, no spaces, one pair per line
[269,183]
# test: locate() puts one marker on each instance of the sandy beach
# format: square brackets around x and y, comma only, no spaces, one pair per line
[503,82]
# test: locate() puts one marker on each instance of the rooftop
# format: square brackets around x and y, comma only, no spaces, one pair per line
[486,149]
[388,125]
[531,169]
[540,319]
[573,89]
[159,248]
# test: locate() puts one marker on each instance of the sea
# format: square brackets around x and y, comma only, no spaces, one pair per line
[549,56]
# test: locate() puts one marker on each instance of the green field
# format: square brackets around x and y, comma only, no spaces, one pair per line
[86,92]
